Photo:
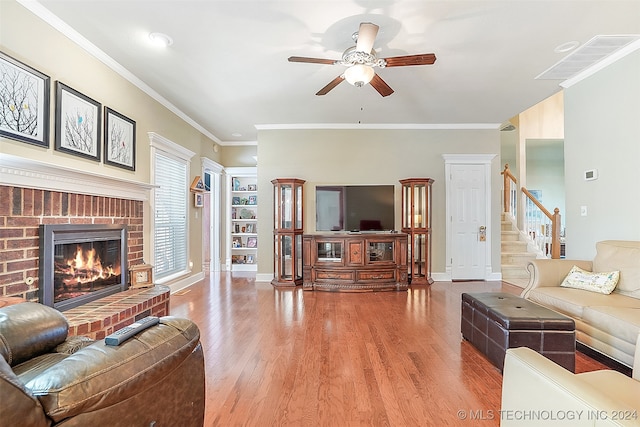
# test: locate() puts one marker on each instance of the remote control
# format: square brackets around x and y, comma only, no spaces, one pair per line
[127,332]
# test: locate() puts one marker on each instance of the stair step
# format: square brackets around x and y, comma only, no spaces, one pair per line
[513,246]
[517,258]
[506,226]
[510,236]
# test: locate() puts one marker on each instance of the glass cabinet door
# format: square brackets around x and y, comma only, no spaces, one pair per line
[329,251]
[419,206]
[380,252]
[284,248]
[297,271]
[286,197]
[288,250]
[418,254]
[298,193]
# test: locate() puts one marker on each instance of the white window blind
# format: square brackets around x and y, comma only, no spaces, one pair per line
[170,219]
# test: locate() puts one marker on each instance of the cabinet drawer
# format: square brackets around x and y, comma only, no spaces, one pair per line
[334,275]
[376,275]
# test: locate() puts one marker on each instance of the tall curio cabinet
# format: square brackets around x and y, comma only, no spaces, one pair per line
[287,231]
[416,223]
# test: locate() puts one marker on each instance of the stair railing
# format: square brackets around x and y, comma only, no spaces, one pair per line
[510,192]
[541,227]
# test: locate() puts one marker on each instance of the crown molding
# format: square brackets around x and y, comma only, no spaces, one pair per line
[382,126]
[47,16]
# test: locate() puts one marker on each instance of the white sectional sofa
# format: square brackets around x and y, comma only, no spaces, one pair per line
[607,323]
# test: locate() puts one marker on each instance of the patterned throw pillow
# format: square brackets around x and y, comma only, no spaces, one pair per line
[603,283]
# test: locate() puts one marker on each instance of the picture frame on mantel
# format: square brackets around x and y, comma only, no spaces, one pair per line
[78,123]
[25,102]
[119,140]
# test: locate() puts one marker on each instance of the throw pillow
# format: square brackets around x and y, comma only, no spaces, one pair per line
[603,283]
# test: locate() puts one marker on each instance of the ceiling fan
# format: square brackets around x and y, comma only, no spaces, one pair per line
[361,59]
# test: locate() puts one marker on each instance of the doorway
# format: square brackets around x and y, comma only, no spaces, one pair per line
[211,216]
[468,214]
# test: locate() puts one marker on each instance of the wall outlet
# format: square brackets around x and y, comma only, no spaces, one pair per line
[583,211]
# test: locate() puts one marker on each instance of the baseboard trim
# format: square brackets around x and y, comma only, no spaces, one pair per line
[185,282]
[264,277]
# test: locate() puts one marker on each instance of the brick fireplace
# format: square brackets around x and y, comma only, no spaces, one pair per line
[35,193]
[22,212]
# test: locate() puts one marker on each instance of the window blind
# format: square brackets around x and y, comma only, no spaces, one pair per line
[170,225]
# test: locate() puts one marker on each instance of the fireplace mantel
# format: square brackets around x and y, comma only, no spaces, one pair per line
[29,173]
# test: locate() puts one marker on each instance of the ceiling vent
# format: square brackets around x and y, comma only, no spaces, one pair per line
[590,53]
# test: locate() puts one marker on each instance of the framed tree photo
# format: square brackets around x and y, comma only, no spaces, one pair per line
[24,102]
[119,140]
[77,123]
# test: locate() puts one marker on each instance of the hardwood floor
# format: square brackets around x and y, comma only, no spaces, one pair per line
[303,358]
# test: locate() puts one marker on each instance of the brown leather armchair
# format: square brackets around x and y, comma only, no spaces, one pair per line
[155,378]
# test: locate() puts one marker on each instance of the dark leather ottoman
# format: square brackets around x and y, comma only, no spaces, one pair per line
[494,322]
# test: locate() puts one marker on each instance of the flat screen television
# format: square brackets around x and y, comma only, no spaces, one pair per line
[355,208]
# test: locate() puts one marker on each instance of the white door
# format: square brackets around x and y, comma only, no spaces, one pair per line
[468,204]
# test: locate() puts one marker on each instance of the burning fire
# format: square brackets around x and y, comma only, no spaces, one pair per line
[85,267]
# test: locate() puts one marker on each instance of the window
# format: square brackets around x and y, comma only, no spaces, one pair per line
[170,208]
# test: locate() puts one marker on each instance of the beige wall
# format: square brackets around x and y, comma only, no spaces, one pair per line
[602,131]
[28,39]
[239,155]
[369,157]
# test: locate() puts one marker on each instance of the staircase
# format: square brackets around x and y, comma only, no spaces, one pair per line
[514,254]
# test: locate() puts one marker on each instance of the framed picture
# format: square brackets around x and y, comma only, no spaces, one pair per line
[235,183]
[119,140]
[237,242]
[252,242]
[25,102]
[77,123]
[235,200]
[198,200]
[253,200]
[252,187]
[249,259]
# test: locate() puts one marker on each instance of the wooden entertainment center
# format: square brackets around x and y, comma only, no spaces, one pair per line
[355,262]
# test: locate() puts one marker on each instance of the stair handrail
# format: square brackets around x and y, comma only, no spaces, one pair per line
[537,228]
[510,190]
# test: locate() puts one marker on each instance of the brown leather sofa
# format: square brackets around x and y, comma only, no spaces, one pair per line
[155,378]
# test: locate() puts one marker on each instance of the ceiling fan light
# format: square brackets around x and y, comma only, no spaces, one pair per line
[359,74]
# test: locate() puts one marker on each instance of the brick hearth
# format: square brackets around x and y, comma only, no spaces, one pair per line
[100,318]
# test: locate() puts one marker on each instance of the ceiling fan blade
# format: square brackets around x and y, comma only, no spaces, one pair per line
[312,60]
[401,61]
[381,86]
[366,36]
[333,83]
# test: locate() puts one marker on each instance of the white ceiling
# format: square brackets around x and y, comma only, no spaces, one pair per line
[227,70]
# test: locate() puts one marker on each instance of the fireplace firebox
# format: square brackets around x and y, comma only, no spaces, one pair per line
[80,263]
